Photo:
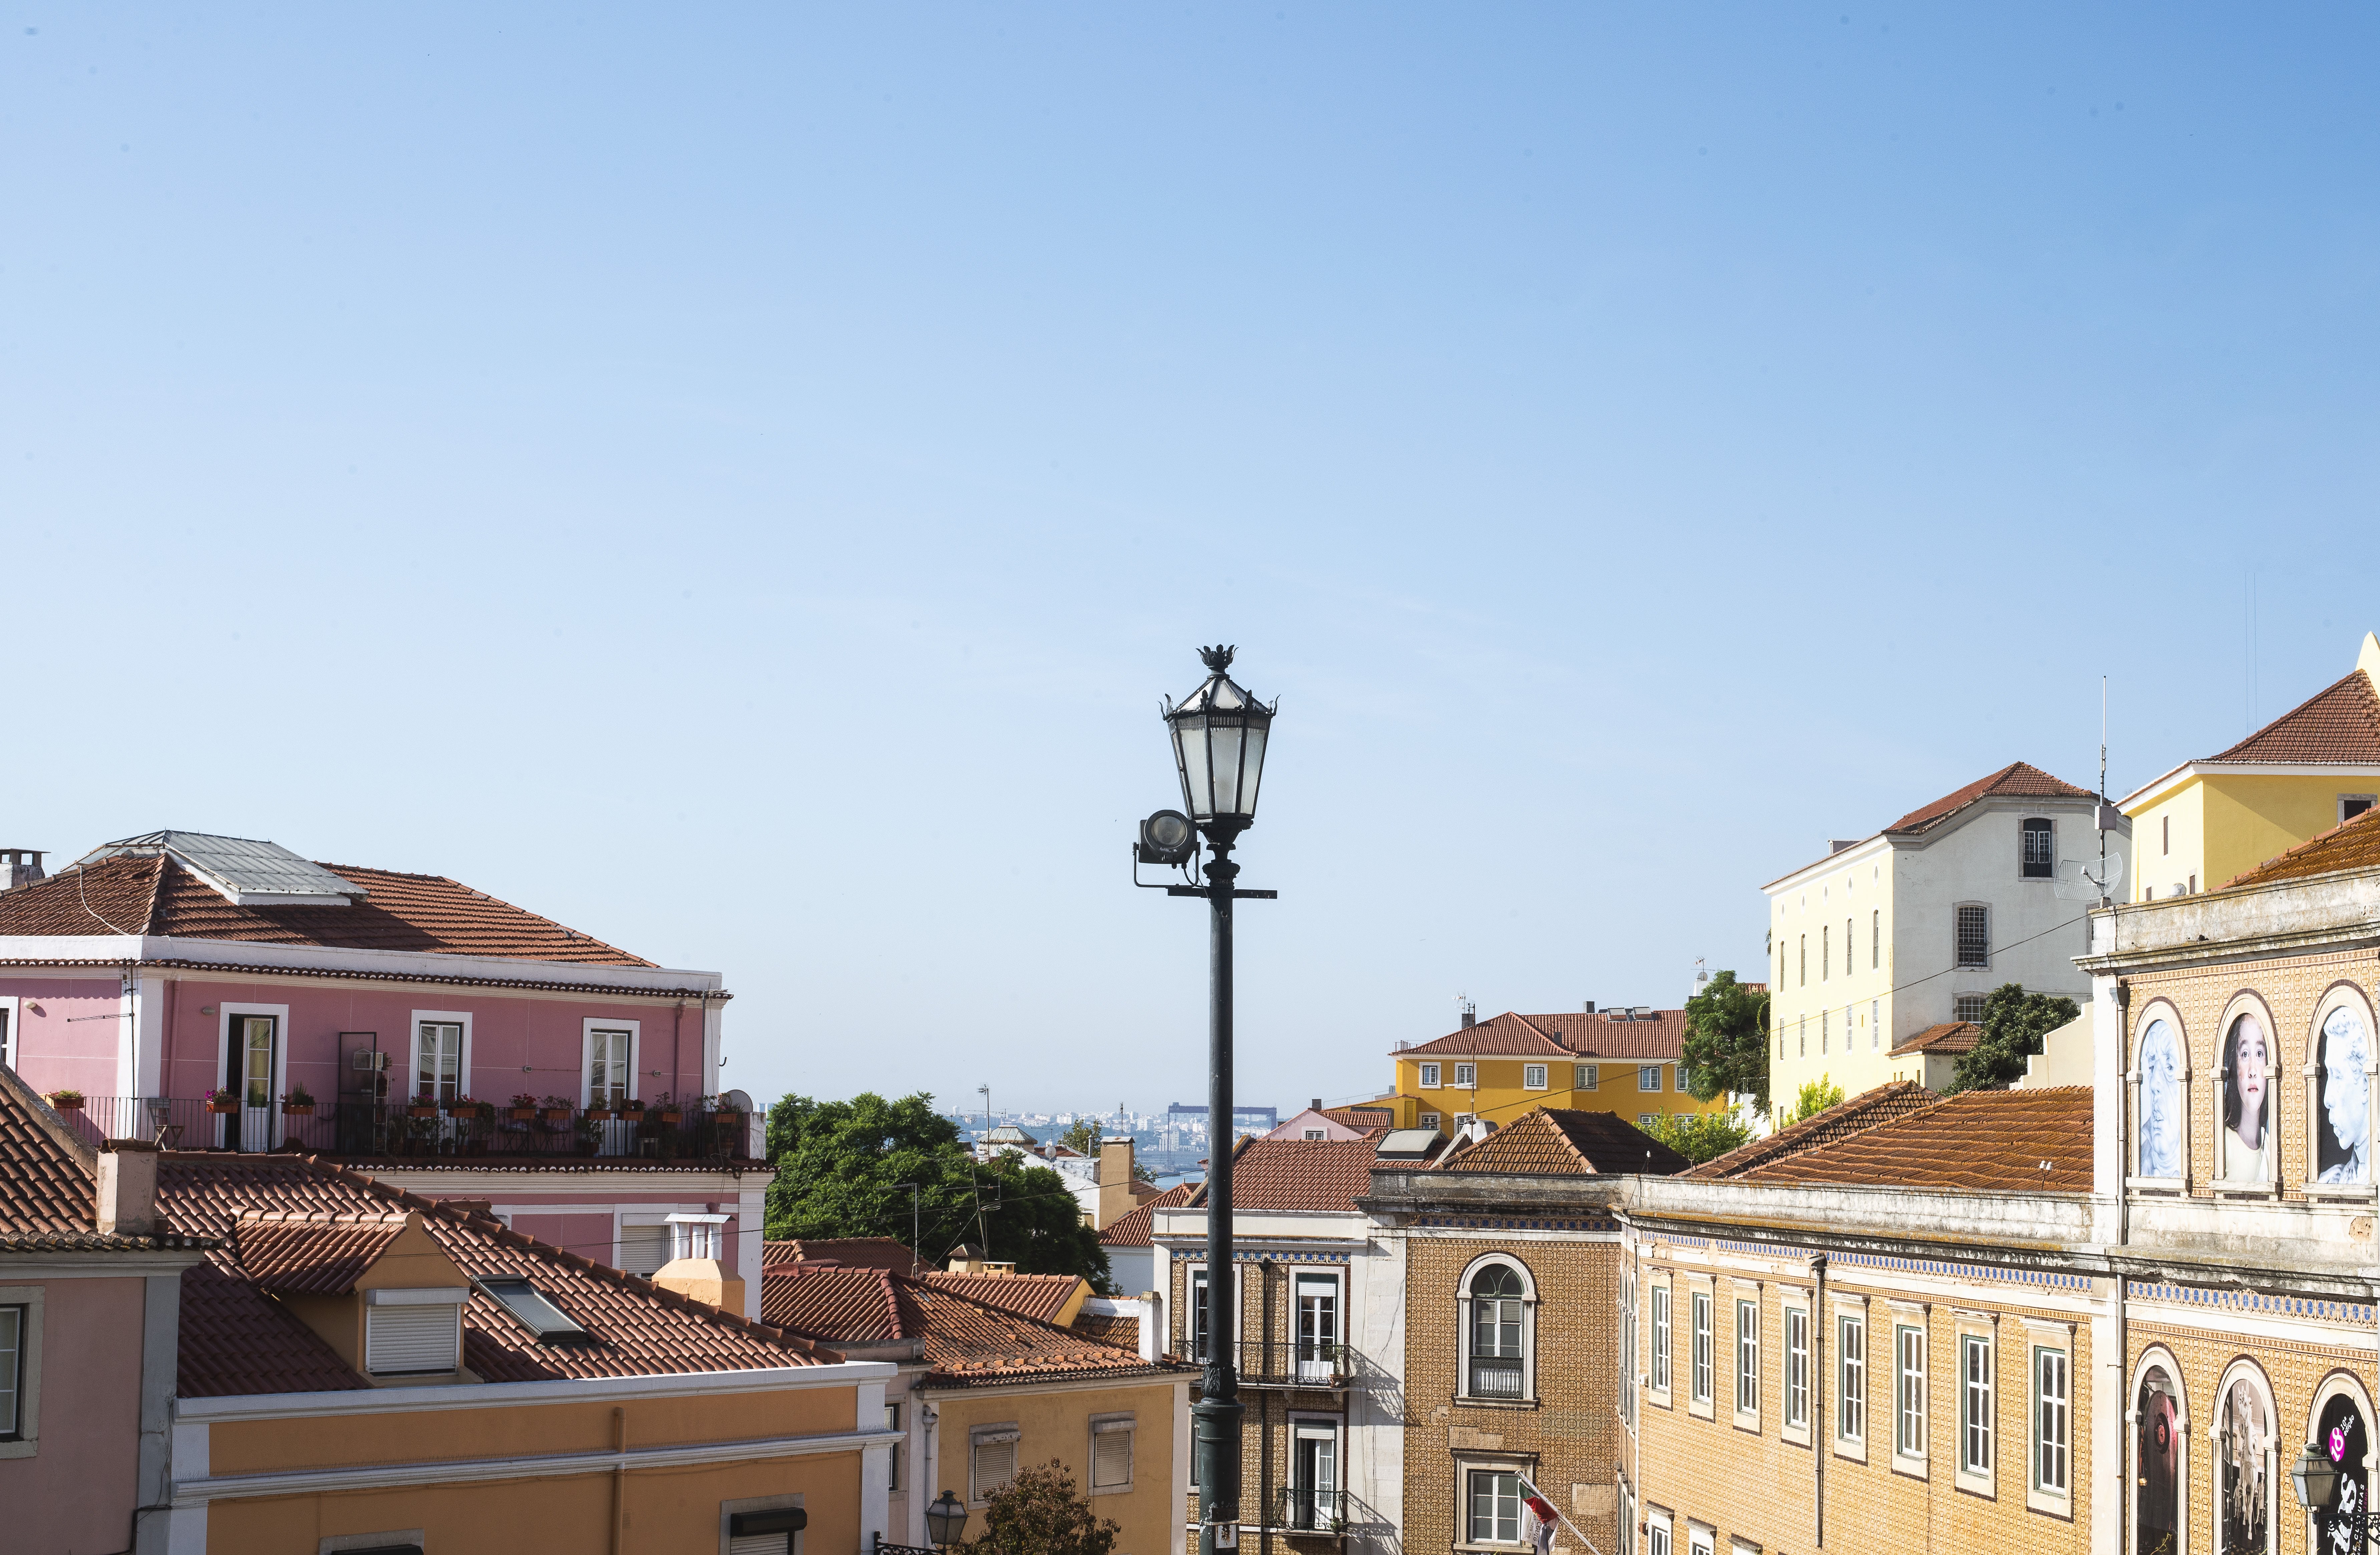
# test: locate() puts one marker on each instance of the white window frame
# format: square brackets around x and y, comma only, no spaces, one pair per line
[1978,1380]
[1589,1077]
[1648,1079]
[1699,1382]
[1664,1320]
[1747,1361]
[1195,1313]
[1851,1381]
[1909,1420]
[227,1012]
[10,1014]
[1795,1420]
[977,1436]
[1467,1336]
[1465,1468]
[1533,1077]
[1657,1532]
[1126,1425]
[1429,1076]
[587,1029]
[27,1443]
[696,1236]
[2045,1346]
[1466,1076]
[1305,1426]
[1431,1120]
[414,1021]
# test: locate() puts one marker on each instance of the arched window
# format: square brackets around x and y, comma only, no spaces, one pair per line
[1496,1331]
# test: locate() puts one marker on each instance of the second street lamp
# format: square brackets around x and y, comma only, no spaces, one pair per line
[1219,733]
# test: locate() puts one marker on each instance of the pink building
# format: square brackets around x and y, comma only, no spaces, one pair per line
[219,993]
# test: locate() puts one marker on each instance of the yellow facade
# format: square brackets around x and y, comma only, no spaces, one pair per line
[1830,942]
[1500,1091]
[2205,821]
[1053,1421]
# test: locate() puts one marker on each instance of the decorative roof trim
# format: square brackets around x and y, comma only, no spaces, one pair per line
[535,985]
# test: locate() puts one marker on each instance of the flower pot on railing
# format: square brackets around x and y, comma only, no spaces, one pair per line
[419,1112]
[671,1118]
[600,1115]
[524,1115]
[557,1114]
[66,1103]
[224,1107]
[297,1108]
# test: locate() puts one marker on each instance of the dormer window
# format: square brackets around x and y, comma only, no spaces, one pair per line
[697,1236]
[410,1333]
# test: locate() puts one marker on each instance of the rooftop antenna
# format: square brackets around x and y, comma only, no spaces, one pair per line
[2079,880]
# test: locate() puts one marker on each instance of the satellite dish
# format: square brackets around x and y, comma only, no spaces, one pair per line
[2089,879]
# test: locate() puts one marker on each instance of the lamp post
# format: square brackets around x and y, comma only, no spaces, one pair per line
[2316,1476]
[1218,734]
[946,1521]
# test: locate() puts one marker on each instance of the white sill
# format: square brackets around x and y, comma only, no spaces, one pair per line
[1974,1484]
[1747,1420]
[1469,1402]
[26,1449]
[1917,1468]
[1701,1409]
[1851,1448]
[2158,1184]
[2244,1190]
[1110,1489]
[2339,1193]
[1798,1436]
[2050,1501]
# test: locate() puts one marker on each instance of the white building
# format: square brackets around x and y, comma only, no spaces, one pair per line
[1893,934]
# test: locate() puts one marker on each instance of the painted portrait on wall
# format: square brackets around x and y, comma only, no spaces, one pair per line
[2339,1432]
[2247,1101]
[2156,1507]
[2246,1506]
[2343,1132]
[2160,1102]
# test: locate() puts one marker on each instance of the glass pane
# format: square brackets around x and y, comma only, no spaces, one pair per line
[256,1060]
[12,1321]
[1252,771]
[1192,756]
[1226,754]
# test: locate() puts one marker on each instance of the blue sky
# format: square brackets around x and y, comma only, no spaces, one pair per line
[739,481]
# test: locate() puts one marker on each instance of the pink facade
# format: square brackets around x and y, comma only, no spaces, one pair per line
[78,1486]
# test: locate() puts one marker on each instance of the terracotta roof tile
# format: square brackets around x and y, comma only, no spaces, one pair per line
[1657,1037]
[851,1252]
[2352,844]
[1867,1110]
[839,1305]
[311,1255]
[1039,1296]
[2017,779]
[1109,1328]
[229,1346]
[152,894]
[235,1339]
[1504,1036]
[2338,723]
[1132,1229]
[1952,1036]
[1311,1175]
[1979,1141]
[966,1343]
[1567,1142]
[49,1183]
[1361,1117]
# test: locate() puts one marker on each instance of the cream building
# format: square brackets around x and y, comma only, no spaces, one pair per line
[1911,928]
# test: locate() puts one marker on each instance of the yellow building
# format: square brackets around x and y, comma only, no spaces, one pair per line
[1622,1061]
[2297,777]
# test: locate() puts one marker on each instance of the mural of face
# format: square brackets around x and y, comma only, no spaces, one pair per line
[2160,1102]
[2346,1062]
[2249,1068]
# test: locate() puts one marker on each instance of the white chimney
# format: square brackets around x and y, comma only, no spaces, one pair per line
[20,866]
[128,1188]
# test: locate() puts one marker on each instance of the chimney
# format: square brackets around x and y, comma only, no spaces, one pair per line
[20,866]
[128,1188]
[1317,1104]
[1470,1015]
[1116,1198]
[1589,1008]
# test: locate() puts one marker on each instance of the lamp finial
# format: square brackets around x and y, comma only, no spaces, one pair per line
[1218,658]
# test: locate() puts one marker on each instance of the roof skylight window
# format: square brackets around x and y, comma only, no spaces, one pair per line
[536,1310]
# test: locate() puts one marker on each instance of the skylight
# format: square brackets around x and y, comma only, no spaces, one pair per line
[536,1310]
[248,872]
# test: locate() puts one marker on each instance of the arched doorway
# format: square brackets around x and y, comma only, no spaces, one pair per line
[2339,1431]
[2156,1512]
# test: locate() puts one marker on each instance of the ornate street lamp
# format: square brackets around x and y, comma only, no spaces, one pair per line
[1219,733]
[2316,1476]
[946,1521]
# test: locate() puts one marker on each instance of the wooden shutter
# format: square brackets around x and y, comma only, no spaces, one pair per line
[994,1465]
[401,1339]
[1112,1454]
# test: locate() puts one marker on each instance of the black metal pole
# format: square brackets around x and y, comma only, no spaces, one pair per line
[1217,1413]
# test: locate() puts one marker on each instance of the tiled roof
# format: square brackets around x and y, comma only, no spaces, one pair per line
[231,1345]
[237,1340]
[1660,1036]
[851,1252]
[1132,1229]
[1040,1296]
[840,1305]
[2017,780]
[1979,1141]
[1109,1328]
[969,1343]
[1310,1174]
[1952,1036]
[152,894]
[2338,723]
[1561,1141]
[1865,1111]
[1361,1117]
[310,1254]
[2352,845]
[49,1183]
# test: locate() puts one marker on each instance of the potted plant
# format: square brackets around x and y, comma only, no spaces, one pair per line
[67,1099]
[467,1107]
[524,1108]
[557,1109]
[669,1108]
[425,1105]
[599,1113]
[222,1100]
[633,1109]
[296,1102]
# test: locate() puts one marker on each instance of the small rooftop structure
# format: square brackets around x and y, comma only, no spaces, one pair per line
[248,872]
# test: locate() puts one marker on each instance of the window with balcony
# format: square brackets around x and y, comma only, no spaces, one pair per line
[1497,1362]
[611,1079]
[1466,1076]
[2037,854]
[438,1060]
[1313,1489]
[1317,1327]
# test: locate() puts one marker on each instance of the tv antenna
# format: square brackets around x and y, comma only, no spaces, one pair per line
[2079,880]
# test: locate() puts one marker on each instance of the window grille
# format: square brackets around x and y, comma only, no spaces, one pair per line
[2038,861]
[1974,937]
[1968,1006]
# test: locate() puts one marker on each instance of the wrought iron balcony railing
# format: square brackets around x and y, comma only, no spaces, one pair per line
[1495,1377]
[395,1130]
[1298,1507]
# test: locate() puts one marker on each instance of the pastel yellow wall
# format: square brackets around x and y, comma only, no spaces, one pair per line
[1057,1424]
[2226,822]
[1828,1021]
[1501,1096]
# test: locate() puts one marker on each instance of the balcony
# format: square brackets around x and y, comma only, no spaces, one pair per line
[1300,1509]
[1311,1364]
[395,1132]
[1495,1377]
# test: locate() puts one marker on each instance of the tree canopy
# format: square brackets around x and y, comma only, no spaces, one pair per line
[1701,1136]
[1040,1513]
[2014,1024]
[1813,1098]
[840,1164]
[1726,1042]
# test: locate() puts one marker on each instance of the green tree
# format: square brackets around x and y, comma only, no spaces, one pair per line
[1813,1098]
[1701,1136]
[1726,1042]
[1039,1512]
[2014,1024]
[839,1167]
[1082,1137]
